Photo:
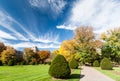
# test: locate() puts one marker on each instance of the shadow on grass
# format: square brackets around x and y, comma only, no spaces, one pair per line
[76,76]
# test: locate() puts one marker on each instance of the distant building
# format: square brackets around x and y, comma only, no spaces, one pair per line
[35,49]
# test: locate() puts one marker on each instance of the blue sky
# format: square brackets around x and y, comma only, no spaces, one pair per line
[46,23]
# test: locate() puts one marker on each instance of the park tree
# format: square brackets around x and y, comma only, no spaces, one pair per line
[86,45]
[73,64]
[67,49]
[8,55]
[2,47]
[111,46]
[29,55]
[44,54]
[54,53]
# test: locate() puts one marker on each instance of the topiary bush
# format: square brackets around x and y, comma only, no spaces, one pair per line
[59,67]
[73,64]
[11,63]
[106,64]
[96,63]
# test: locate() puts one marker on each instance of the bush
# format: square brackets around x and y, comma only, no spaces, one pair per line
[23,63]
[73,64]
[59,67]
[96,63]
[106,64]
[10,62]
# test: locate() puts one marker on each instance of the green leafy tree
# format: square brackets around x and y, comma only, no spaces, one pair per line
[111,46]
[73,64]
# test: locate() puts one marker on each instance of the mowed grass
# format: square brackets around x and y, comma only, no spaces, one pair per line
[114,74]
[31,73]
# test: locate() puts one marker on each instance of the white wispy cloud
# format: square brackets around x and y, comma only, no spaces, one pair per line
[56,6]
[101,14]
[6,35]
[7,22]
[48,40]
[30,44]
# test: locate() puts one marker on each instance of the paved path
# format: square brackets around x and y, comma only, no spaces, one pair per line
[90,74]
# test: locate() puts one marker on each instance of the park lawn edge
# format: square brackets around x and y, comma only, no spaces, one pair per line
[109,73]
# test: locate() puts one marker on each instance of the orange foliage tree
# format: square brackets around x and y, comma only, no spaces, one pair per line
[43,54]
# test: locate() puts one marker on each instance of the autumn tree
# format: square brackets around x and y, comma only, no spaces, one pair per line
[8,55]
[86,44]
[67,49]
[44,54]
[54,53]
[2,47]
[29,55]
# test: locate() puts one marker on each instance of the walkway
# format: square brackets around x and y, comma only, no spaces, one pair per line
[90,74]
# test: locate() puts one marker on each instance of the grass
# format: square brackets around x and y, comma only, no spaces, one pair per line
[114,74]
[31,73]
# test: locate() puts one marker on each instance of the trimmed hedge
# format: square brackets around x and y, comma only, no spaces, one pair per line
[96,63]
[73,64]
[106,64]
[59,67]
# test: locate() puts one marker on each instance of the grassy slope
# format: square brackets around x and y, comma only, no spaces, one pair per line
[30,73]
[111,73]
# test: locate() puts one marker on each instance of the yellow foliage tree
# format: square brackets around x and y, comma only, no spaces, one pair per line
[54,53]
[103,36]
[67,49]
[8,54]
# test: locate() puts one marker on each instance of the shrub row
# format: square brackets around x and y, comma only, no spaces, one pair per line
[105,64]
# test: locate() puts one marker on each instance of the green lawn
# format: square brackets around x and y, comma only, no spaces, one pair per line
[114,74]
[31,73]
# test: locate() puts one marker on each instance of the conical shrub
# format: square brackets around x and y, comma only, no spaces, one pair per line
[59,67]
[106,64]
[73,64]
[96,63]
